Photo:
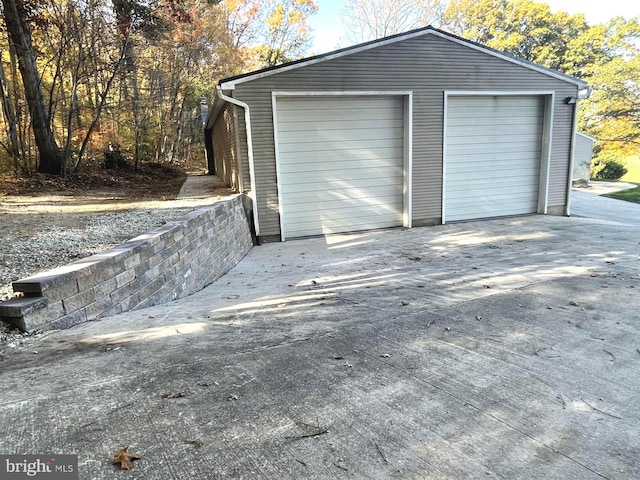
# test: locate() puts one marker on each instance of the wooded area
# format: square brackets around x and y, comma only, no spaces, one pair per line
[88,81]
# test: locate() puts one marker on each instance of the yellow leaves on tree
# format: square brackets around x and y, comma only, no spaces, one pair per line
[269,31]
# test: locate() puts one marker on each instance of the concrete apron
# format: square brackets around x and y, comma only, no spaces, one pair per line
[505,348]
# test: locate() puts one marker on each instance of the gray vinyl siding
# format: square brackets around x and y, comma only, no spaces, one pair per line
[427,66]
[225,151]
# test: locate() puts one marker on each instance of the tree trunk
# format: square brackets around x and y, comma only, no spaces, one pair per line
[10,116]
[50,154]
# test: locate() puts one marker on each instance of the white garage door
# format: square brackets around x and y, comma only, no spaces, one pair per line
[492,157]
[340,163]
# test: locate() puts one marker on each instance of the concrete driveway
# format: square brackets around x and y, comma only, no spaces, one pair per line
[497,349]
[589,203]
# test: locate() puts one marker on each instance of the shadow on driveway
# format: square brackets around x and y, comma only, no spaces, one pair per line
[505,348]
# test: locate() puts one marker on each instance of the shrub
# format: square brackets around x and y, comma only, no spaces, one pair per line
[607,168]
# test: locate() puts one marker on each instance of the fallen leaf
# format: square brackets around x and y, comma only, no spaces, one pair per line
[173,395]
[195,443]
[124,458]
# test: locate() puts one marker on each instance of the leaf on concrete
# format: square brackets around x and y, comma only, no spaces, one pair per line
[196,443]
[173,395]
[124,458]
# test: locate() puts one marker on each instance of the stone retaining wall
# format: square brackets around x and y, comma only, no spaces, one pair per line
[170,262]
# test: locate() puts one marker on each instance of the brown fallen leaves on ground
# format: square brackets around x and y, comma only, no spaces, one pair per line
[124,458]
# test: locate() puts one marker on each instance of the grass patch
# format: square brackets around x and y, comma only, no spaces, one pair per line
[633,169]
[631,195]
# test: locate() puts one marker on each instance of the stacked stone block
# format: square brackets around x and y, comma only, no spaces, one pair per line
[167,263]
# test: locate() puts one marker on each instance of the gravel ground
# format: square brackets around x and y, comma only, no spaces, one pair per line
[38,233]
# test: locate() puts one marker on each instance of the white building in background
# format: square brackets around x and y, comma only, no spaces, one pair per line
[582,157]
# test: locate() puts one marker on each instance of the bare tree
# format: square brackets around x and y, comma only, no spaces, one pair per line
[366,20]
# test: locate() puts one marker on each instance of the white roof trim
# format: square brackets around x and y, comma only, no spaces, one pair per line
[587,136]
[230,85]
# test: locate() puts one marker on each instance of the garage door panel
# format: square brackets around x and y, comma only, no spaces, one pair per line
[493,147]
[348,199]
[512,184]
[494,104]
[339,227]
[340,163]
[345,145]
[494,165]
[341,208]
[340,104]
[505,197]
[330,139]
[494,120]
[508,148]
[331,118]
[336,225]
[360,185]
[524,140]
[494,132]
[348,166]
[328,126]
[334,158]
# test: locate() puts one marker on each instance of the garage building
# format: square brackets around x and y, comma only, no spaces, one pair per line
[420,128]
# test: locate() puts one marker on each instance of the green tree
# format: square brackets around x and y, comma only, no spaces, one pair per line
[612,113]
[605,55]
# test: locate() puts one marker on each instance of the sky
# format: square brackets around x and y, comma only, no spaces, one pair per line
[328,31]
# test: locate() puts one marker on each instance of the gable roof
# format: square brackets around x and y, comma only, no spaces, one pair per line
[231,82]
